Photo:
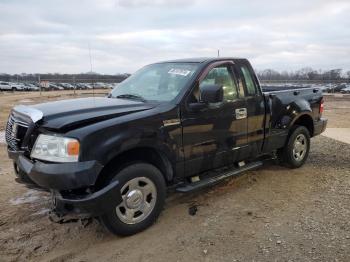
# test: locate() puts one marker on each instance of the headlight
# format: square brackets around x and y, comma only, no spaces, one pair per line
[56,149]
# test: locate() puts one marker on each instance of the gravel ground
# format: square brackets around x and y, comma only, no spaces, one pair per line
[271,214]
[2,137]
[340,134]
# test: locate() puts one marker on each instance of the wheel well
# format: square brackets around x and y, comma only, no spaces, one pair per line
[144,154]
[306,120]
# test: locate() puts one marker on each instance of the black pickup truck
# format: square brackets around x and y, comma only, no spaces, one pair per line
[180,125]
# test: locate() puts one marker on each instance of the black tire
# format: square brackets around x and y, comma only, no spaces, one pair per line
[287,155]
[134,171]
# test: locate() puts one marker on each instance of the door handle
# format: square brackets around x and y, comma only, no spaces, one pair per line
[241,113]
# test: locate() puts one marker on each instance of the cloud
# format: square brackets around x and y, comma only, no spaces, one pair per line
[53,36]
[155,3]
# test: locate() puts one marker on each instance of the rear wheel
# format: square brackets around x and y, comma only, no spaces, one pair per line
[143,193]
[296,151]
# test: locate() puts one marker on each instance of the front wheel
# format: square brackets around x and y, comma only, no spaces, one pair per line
[143,192]
[296,151]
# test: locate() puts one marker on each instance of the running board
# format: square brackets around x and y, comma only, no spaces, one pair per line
[215,179]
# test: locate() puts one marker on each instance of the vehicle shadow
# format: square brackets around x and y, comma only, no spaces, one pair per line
[246,179]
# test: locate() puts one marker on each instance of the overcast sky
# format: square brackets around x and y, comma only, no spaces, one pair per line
[54,36]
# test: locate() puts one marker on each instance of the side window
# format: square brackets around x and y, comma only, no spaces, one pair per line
[249,82]
[222,76]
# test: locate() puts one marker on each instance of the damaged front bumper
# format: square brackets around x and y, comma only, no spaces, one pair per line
[64,180]
[94,204]
[58,176]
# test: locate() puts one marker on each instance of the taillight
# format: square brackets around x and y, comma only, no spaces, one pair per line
[321,106]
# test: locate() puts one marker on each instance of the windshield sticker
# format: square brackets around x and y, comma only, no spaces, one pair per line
[181,72]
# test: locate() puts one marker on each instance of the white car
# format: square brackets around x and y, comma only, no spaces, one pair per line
[5,86]
[99,85]
[17,87]
[32,87]
[111,86]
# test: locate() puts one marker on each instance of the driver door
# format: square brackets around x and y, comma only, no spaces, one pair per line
[213,135]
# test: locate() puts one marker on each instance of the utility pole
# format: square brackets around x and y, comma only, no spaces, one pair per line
[92,81]
[74,85]
[218,52]
[39,83]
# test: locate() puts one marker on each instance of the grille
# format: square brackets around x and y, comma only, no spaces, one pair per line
[15,132]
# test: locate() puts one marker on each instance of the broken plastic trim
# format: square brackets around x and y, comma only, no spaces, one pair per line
[64,219]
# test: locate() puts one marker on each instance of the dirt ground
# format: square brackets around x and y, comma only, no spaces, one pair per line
[271,214]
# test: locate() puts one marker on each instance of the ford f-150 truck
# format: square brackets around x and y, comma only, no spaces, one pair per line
[180,125]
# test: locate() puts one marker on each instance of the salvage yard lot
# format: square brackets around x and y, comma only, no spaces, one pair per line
[271,214]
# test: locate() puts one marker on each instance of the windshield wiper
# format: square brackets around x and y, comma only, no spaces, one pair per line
[131,96]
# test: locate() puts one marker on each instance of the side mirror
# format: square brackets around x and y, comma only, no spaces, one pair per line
[272,96]
[212,94]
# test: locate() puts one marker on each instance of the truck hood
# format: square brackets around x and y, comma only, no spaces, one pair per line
[72,113]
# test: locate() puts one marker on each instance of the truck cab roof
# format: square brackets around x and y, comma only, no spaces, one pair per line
[202,60]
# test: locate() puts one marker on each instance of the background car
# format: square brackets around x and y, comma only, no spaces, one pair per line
[5,86]
[111,86]
[346,90]
[67,86]
[80,86]
[32,87]
[88,86]
[324,88]
[336,88]
[55,87]
[17,86]
[100,85]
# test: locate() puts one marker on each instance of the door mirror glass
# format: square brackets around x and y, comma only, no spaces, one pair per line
[212,93]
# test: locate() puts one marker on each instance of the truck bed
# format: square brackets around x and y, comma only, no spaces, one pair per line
[282,104]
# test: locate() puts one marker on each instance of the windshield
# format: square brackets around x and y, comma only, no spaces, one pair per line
[159,82]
